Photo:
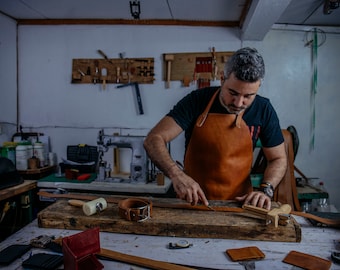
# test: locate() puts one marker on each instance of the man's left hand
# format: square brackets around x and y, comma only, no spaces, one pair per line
[256,198]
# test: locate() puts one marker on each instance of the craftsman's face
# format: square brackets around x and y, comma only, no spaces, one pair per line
[238,95]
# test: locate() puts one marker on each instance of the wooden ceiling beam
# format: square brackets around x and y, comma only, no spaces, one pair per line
[126,22]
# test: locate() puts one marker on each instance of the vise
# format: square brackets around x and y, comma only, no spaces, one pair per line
[139,159]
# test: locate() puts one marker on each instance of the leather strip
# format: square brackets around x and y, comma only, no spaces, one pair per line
[327,221]
[135,209]
[141,261]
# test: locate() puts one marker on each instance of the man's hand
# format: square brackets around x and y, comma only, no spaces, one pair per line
[256,198]
[189,190]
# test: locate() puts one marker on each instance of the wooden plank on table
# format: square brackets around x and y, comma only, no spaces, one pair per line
[170,222]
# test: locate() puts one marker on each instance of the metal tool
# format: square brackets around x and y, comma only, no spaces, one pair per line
[248,265]
[179,244]
[105,56]
[138,96]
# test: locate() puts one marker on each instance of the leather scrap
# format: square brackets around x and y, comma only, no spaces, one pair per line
[307,261]
[245,253]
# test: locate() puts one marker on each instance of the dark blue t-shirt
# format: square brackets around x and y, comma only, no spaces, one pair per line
[260,117]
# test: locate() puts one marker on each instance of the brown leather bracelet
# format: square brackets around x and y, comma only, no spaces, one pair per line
[135,209]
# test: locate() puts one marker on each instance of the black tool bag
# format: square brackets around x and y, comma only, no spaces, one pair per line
[82,154]
[9,176]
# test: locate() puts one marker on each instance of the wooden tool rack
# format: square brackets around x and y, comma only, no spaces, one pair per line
[188,67]
[120,71]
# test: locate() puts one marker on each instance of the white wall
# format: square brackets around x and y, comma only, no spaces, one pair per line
[73,113]
[8,85]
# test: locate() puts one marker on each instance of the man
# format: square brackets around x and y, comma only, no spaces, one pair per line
[221,128]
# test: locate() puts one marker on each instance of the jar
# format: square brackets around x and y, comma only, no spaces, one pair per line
[21,157]
[38,151]
[8,151]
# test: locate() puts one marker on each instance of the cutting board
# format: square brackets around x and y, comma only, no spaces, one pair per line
[170,222]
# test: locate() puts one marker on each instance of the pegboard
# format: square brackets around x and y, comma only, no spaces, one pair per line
[189,67]
[119,71]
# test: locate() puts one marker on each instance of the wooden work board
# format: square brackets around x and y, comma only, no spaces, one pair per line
[170,222]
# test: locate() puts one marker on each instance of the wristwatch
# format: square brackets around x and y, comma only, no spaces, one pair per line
[267,189]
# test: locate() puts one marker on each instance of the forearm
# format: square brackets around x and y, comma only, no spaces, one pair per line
[275,171]
[158,153]
[276,164]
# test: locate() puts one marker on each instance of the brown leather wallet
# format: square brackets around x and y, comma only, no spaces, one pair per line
[307,261]
[245,253]
[135,209]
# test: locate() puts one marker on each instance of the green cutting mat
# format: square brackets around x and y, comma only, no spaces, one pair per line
[54,178]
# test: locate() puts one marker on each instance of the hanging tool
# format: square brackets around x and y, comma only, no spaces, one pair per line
[104,77]
[105,56]
[168,58]
[138,96]
[95,78]
[214,64]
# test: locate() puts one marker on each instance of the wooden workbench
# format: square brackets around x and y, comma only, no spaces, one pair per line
[170,222]
[10,192]
[205,252]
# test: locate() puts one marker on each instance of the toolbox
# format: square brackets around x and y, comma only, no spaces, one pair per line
[86,157]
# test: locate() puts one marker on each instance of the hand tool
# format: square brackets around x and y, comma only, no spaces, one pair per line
[105,56]
[271,216]
[104,74]
[92,207]
[138,96]
[81,72]
[95,78]
[168,58]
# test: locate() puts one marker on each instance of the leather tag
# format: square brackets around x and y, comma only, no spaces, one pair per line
[246,253]
[307,261]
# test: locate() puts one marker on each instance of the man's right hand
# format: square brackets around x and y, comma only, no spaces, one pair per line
[188,189]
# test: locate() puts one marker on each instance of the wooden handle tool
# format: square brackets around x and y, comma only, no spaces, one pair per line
[168,58]
[274,216]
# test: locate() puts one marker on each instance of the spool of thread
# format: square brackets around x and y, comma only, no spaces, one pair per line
[94,206]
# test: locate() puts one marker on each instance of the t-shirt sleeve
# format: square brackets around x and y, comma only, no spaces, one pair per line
[271,133]
[187,110]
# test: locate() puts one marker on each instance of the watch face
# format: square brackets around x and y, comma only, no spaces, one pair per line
[268,191]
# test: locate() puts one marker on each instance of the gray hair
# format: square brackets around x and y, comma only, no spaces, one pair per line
[246,64]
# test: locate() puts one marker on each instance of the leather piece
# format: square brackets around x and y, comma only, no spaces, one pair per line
[135,209]
[307,261]
[43,261]
[12,252]
[245,253]
[286,191]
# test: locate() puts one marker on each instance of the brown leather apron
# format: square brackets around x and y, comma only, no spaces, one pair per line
[219,154]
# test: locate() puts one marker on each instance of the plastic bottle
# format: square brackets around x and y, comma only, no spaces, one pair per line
[323,203]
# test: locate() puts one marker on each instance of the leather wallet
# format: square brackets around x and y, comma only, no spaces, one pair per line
[43,261]
[11,253]
[307,261]
[245,253]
